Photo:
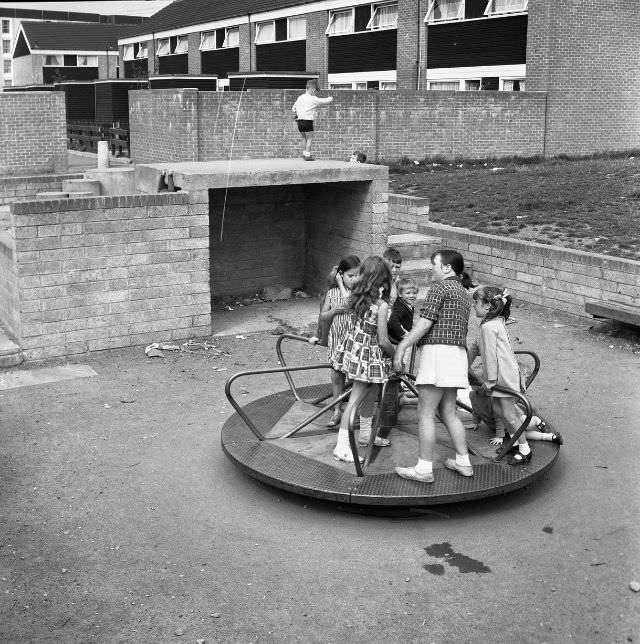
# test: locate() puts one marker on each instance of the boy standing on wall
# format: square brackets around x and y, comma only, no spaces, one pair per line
[304,110]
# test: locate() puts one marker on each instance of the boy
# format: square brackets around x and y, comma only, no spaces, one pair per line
[393,259]
[401,319]
[304,110]
[358,157]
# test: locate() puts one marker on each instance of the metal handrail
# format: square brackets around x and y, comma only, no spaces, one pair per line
[536,365]
[506,448]
[241,374]
[294,391]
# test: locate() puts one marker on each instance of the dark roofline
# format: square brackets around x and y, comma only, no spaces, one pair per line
[69,16]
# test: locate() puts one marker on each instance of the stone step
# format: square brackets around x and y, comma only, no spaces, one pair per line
[52,195]
[77,195]
[82,185]
[10,352]
[414,245]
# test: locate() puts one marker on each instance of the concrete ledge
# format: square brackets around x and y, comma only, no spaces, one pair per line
[114,181]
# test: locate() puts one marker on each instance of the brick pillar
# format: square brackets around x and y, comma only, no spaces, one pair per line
[409,31]
[194,65]
[247,62]
[152,58]
[317,45]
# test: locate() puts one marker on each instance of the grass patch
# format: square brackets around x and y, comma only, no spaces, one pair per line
[587,203]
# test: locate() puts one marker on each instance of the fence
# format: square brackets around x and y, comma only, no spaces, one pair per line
[85,135]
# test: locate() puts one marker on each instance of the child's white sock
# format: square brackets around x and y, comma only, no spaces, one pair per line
[463,459]
[524,448]
[365,428]
[343,441]
[424,467]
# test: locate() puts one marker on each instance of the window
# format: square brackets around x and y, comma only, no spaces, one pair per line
[6,46]
[8,83]
[384,16]
[182,45]
[164,48]
[129,52]
[6,27]
[53,61]
[445,10]
[385,85]
[87,61]
[207,40]
[340,22]
[143,51]
[446,86]
[297,28]
[231,37]
[495,7]
[472,85]
[265,32]
[7,66]
[513,85]
[355,85]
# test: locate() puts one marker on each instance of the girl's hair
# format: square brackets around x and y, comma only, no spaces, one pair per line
[498,299]
[454,259]
[346,264]
[374,275]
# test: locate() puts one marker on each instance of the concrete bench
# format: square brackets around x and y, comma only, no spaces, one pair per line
[626,313]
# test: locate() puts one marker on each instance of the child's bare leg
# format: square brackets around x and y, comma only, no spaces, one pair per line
[337,387]
[342,451]
[499,422]
[452,422]
[366,419]
[512,420]
[308,138]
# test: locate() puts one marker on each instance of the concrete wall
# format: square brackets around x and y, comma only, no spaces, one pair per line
[33,132]
[26,188]
[552,277]
[107,272]
[190,125]
[585,55]
[263,239]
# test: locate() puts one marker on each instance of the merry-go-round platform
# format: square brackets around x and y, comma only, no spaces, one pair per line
[281,439]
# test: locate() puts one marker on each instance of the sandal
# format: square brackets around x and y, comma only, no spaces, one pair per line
[520,459]
[541,426]
[379,442]
[335,418]
[557,438]
[345,457]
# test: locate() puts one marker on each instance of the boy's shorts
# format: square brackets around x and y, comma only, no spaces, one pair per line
[305,125]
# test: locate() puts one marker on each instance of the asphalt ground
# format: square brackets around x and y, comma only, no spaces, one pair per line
[121,520]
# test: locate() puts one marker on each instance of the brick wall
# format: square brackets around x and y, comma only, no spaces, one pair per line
[33,132]
[384,125]
[407,213]
[410,29]
[26,188]
[585,55]
[108,272]
[555,278]
[263,239]
[164,124]
[317,45]
[9,294]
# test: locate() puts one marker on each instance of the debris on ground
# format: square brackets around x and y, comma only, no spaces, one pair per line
[153,351]
[635,586]
[274,293]
[241,337]
[205,348]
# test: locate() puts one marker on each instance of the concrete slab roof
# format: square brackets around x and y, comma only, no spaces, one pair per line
[238,173]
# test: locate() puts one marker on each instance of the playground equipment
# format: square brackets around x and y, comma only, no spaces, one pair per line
[281,439]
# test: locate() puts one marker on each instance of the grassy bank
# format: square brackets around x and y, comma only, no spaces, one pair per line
[586,204]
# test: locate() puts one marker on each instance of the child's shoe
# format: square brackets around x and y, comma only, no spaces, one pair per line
[413,475]
[465,470]
[557,438]
[519,458]
[379,442]
[335,419]
[345,457]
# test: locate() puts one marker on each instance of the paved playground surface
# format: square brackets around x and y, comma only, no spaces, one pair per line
[121,520]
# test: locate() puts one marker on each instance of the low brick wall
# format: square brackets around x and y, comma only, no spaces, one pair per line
[407,213]
[107,272]
[552,277]
[26,188]
[9,295]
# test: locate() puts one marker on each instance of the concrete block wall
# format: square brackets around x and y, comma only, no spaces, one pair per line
[585,55]
[263,239]
[107,272]
[407,213]
[26,188]
[387,125]
[33,132]
[551,277]
[9,293]
[349,218]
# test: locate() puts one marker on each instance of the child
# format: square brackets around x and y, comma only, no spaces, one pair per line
[442,364]
[304,110]
[401,319]
[500,367]
[393,260]
[364,354]
[358,157]
[334,315]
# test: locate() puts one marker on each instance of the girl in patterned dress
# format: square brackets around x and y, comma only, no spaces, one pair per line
[364,355]
[334,315]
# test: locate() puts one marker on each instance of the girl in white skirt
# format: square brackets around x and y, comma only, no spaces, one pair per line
[441,331]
